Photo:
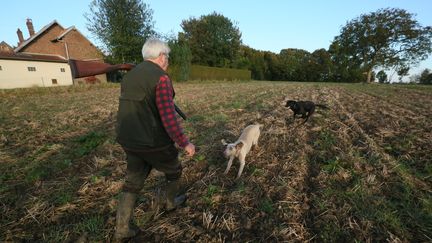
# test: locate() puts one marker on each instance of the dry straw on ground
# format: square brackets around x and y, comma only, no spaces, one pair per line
[360,170]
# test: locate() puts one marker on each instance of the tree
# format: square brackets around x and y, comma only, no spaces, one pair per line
[382,76]
[321,66]
[180,59]
[213,39]
[295,63]
[402,71]
[343,68]
[274,67]
[252,60]
[388,37]
[122,26]
[425,77]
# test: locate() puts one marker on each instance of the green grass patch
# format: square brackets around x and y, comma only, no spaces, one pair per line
[43,170]
[325,141]
[211,191]
[89,142]
[332,166]
[240,187]
[196,118]
[93,225]
[63,197]
[266,205]
[332,232]
[57,234]
[253,170]
[218,117]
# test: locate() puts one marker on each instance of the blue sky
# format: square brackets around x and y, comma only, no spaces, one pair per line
[265,25]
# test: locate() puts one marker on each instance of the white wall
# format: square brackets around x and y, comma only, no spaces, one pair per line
[15,74]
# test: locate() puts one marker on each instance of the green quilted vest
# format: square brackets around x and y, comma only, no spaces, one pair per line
[139,126]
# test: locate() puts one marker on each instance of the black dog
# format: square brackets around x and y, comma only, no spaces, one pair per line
[304,108]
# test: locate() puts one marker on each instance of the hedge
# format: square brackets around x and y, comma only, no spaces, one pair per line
[198,72]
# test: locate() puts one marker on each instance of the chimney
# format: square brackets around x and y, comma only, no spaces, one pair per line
[20,37]
[30,27]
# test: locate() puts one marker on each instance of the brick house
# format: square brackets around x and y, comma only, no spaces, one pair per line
[56,43]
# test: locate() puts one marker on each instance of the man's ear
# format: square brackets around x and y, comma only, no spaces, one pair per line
[239,145]
[224,142]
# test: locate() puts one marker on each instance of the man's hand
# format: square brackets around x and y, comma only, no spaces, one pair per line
[190,149]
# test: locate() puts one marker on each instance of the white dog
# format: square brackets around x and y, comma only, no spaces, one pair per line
[242,146]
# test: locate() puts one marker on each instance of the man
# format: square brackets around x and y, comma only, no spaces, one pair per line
[147,129]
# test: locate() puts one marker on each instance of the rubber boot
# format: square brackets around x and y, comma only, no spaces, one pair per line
[124,213]
[173,199]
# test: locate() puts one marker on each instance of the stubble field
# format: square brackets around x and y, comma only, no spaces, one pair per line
[360,171]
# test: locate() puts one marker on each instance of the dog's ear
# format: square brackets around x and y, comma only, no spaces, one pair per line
[239,145]
[224,142]
[289,103]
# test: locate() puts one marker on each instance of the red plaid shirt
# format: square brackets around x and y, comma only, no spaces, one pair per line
[165,105]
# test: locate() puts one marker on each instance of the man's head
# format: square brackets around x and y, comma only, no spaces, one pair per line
[156,51]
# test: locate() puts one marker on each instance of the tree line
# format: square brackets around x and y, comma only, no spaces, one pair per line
[386,39]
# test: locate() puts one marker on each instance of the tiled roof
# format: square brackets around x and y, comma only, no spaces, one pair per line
[65,32]
[32,57]
[25,43]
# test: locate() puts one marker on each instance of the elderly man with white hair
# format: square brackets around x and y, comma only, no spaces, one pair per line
[147,128]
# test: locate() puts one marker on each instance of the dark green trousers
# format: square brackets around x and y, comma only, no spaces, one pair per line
[140,163]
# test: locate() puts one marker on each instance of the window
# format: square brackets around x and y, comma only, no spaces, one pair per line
[31,69]
[54,81]
[62,70]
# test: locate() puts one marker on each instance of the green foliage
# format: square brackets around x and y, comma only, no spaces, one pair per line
[180,60]
[274,68]
[122,26]
[289,65]
[344,68]
[382,76]
[320,66]
[213,39]
[425,77]
[254,61]
[388,38]
[293,62]
[213,73]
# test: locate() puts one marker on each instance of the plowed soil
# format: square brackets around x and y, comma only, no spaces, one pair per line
[360,170]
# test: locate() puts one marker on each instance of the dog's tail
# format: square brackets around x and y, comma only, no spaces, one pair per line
[322,106]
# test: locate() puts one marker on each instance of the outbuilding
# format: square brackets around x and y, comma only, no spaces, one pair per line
[22,70]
